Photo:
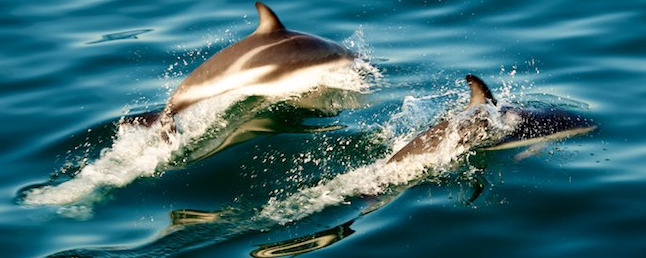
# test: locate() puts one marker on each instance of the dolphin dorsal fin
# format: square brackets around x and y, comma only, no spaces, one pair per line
[480,93]
[269,22]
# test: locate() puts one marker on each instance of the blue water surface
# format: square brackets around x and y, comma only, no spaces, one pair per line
[71,69]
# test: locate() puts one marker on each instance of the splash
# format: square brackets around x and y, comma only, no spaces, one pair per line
[377,178]
[139,152]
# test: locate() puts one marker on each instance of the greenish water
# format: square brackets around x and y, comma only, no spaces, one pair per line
[72,69]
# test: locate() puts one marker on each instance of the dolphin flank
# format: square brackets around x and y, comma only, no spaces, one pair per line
[263,63]
[530,126]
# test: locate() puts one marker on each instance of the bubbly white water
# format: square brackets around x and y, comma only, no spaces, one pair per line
[376,178]
[138,151]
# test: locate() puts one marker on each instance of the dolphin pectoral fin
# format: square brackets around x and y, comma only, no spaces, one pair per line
[241,134]
[186,217]
[245,132]
[478,183]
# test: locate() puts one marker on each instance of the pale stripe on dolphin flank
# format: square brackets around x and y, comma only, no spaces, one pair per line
[243,77]
[236,77]
[244,82]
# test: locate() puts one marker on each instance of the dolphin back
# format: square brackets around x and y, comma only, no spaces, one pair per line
[271,46]
[537,123]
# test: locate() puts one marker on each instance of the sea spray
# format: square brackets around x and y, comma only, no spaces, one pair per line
[463,134]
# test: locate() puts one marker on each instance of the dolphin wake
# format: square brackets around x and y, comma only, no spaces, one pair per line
[377,178]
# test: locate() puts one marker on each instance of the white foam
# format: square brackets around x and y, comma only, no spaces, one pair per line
[135,152]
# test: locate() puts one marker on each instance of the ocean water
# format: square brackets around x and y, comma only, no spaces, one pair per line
[77,183]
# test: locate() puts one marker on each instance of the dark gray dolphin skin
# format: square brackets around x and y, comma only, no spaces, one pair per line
[267,57]
[533,125]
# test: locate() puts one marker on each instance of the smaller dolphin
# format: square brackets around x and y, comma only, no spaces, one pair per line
[531,126]
[272,60]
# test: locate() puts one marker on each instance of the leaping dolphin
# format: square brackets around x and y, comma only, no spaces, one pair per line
[530,126]
[272,60]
